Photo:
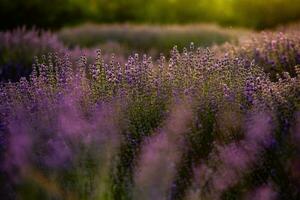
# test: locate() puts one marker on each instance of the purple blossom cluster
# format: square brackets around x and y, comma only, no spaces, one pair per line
[197,125]
[275,52]
[19,47]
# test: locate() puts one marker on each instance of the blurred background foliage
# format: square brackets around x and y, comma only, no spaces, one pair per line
[54,14]
[151,39]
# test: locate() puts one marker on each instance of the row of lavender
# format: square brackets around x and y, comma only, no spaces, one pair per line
[19,47]
[204,124]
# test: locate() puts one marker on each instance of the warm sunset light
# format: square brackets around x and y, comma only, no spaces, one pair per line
[149,99]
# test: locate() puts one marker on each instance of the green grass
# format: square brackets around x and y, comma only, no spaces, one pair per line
[151,39]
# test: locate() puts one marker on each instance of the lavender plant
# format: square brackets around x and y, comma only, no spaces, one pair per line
[18,48]
[275,52]
[198,125]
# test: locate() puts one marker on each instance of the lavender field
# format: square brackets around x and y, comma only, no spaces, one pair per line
[112,112]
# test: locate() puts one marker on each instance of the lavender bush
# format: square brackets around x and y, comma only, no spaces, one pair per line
[275,52]
[201,124]
[18,48]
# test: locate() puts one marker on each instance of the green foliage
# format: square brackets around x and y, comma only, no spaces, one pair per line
[56,13]
[41,13]
[144,38]
[143,115]
[262,14]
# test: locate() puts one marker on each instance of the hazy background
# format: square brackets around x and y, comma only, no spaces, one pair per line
[53,14]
